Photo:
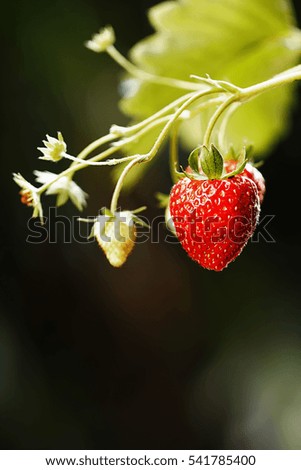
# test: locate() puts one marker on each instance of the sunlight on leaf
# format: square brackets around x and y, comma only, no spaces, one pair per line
[240,41]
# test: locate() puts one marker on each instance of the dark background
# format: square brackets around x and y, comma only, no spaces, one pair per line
[160,354]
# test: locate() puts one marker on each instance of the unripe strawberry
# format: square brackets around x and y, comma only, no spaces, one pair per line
[116,236]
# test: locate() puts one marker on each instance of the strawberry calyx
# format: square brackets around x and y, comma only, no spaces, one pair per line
[208,164]
[132,215]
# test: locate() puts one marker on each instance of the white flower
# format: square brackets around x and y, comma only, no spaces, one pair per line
[64,187]
[116,236]
[55,149]
[29,195]
[102,40]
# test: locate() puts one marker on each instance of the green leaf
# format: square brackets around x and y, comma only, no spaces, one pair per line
[243,42]
[212,162]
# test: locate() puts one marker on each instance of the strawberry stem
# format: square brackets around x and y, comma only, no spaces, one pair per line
[146,76]
[215,118]
[173,153]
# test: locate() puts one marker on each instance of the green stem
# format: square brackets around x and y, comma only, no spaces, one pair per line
[289,76]
[120,182]
[196,96]
[74,168]
[94,145]
[111,162]
[246,94]
[89,149]
[238,96]
[151,154]
[223,127]
[124,131]
[149,77]
[214,119]
[173,153]
[78,167]
[120,144]
[147,128]
[148,125]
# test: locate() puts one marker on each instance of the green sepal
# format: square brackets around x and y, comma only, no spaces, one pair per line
[258,164]
[180,174]
[241,163]
[163,200]
[212,162]
[91,234]
[231,154]
[193,175]
[194,159]
[140,222]
[139,209]
[88,221]
[242,157]
[249,152]
[107,212]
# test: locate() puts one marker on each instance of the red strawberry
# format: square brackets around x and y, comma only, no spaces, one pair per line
[214,218]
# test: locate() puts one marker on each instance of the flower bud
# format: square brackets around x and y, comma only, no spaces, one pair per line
[102,40]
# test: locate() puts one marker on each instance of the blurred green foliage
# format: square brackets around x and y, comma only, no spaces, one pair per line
[242,42]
